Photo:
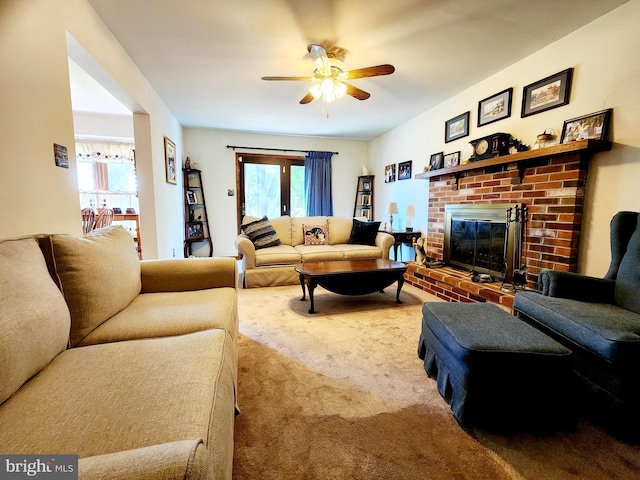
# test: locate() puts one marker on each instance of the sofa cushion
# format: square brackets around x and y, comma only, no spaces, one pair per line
[364,233]
[119,396]
[261,233]
[315,234]
[339,229]
[319,253]
[282,226]
[606,330]
[280,255]
[99,274]
[34,318]
[164,314]
[351,251]
[297,232]
[628,279]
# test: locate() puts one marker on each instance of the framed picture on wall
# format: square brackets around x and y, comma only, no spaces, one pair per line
[494,108]
[550,92]
[404,170]
[170,161]
[390,173]
[456,128]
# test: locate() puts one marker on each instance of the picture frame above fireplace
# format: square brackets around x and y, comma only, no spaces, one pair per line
[593,126]
[436,161]
[494,108]
[456,127]
[550,92]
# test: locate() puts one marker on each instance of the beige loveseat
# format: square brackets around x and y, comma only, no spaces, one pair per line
[275,265]
[130,365]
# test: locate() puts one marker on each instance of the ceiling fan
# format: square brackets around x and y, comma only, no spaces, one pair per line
[329,78]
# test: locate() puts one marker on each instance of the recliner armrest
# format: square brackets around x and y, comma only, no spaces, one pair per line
[555,283]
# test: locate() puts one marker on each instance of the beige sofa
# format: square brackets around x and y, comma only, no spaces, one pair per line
[275,265]
[130,365]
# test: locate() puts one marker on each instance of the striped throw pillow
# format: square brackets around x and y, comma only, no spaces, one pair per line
[261,233]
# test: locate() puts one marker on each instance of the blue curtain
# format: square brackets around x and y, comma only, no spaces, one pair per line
[317,183]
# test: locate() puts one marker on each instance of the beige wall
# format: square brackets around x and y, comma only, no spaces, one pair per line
[36,38]
[207,148]
[605,57]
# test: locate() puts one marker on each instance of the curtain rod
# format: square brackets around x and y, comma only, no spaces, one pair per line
[279,149]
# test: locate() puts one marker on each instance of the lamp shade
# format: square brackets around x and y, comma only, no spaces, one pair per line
[393,208]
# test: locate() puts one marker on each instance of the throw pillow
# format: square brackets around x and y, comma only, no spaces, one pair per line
[261,233]
[315,234]
[364,233]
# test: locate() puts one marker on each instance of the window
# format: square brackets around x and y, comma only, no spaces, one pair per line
[270,185]
[107,175]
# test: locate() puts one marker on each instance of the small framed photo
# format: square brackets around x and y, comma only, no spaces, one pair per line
[452,159]
[404,170]
[456,128]
[365,199]
[366,186]
[548,93]
[588,127]
[494,108]
[436,161]
[192,199]
[194,230]
[390,173]
[170,160]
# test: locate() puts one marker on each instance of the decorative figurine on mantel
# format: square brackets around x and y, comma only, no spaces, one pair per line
[187,164]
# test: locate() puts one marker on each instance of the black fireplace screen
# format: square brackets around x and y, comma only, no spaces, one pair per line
[478,244]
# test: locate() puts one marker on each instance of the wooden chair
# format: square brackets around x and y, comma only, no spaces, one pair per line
[104,218]
[88,219]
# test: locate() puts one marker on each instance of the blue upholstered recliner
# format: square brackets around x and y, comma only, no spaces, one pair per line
[599,320]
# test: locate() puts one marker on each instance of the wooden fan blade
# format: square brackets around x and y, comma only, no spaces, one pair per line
[306,99]
[304,79]
[355,92]
[375,71]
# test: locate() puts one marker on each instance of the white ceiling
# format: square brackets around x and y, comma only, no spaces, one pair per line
[205,57]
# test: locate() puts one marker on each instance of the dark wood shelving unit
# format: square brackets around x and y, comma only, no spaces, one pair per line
[196,221]
[363,204]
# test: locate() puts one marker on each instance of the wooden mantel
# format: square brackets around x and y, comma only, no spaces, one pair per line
[581,146]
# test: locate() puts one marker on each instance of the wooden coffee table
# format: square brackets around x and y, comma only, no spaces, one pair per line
[351,277]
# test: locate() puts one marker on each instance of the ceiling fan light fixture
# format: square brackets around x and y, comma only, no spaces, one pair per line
[328,89]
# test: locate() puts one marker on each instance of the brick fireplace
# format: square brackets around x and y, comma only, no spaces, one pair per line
[550,182]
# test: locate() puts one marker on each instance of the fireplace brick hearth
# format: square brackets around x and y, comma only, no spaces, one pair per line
[550,182]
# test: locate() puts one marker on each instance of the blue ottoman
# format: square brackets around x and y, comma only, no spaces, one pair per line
[496,371]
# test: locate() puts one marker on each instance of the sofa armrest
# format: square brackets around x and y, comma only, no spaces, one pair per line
[555,283]
[183,274]
[186,459]
[247,250]
[384,242]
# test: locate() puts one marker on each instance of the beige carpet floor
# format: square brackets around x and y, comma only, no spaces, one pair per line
[341,394]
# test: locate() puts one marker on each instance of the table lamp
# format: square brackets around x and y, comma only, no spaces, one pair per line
[393,208]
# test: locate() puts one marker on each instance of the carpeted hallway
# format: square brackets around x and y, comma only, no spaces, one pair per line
[341,394]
